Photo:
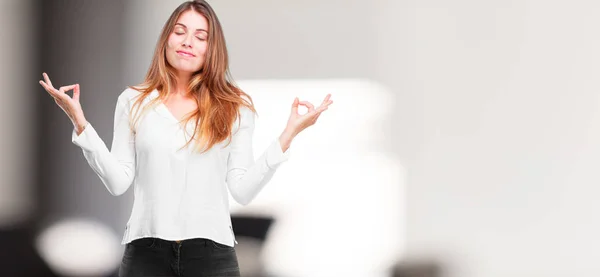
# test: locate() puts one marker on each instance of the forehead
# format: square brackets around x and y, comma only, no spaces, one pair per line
[193,20]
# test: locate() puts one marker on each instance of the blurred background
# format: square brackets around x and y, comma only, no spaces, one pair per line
[463,141]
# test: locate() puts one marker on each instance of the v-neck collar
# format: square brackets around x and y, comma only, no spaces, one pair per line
[163,110]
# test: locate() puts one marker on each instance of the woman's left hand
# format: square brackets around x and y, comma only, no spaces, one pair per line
[298,122]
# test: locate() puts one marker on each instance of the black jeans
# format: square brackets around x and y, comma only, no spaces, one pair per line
[193,257]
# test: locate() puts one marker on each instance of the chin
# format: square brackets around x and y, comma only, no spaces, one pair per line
[187,69]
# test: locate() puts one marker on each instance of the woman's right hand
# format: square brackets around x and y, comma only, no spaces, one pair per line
[70,106]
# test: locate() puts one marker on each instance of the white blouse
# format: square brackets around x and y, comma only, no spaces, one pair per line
[178,194]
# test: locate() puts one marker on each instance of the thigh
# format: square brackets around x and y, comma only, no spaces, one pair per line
[210,259]
[142,257]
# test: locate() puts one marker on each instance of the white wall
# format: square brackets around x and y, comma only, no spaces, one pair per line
[504,150]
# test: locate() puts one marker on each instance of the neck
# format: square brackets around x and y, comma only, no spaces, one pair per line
[181,88]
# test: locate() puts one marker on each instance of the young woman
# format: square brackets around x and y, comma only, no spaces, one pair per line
[183,138]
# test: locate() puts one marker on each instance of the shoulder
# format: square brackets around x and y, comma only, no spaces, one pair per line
[129,94]
[246,117]
[246,112]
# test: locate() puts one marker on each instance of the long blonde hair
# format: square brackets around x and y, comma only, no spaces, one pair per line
[217,96]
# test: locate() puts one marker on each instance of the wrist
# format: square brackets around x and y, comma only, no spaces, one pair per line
[289,132]
[285,139]
[79,124]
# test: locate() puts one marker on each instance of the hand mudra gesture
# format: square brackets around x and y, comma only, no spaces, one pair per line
[298,122]
[70,105]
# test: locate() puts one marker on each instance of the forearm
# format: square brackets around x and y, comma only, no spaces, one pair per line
[246,181]
[79,124]
[285,139]
[244,185]
[115,168]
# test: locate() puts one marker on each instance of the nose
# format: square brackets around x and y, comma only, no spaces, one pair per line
[187,42]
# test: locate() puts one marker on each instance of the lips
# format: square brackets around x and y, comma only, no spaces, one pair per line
[186,54]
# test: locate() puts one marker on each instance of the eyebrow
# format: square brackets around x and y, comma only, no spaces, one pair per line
[186,27]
